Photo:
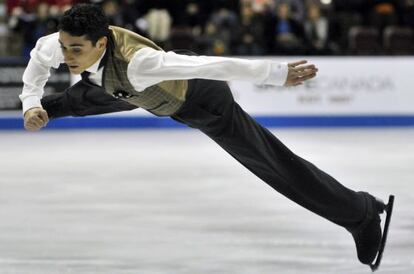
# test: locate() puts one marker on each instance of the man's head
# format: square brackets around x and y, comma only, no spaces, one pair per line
[83,35]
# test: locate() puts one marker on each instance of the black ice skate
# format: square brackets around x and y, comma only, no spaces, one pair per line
[369,239]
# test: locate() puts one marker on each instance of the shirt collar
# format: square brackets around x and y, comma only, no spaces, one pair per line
[95,67]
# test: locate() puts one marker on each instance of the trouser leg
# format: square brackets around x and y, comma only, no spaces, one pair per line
[211,108]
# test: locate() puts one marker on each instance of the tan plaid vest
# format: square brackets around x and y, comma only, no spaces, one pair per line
[162,99]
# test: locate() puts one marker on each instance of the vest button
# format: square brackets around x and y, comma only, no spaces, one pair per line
[120,94]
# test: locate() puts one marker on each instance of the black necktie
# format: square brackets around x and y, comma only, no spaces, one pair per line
[85,75]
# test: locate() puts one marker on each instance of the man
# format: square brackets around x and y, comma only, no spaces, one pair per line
[122,71]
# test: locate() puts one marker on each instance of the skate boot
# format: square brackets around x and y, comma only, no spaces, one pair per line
[369,239]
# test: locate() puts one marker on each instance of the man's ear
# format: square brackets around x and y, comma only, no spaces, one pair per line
[102,42]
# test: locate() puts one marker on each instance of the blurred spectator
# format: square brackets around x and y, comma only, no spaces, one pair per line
[214,42]
[131,13]
[23,21]
[112,11]
[383,13]
[47,19]
[159,25]
[20,4]
[219,27]
[284,33]
[296,8]
[187,29]
[259,6]
[251,36]
[193,19]
[316,30]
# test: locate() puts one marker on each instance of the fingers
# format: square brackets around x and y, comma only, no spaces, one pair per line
[301,73]
[34,123]
[298,75]
[306,72]
[304,68]
[307,77]
[297,63]
[43,115]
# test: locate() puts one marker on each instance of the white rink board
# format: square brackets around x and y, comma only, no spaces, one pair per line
[357,86]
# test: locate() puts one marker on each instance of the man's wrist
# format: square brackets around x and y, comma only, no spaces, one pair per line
[30,103]
[27,111]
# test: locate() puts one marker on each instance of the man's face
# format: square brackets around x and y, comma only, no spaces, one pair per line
[78,51]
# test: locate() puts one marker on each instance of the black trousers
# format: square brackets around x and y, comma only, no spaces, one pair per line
[211,108]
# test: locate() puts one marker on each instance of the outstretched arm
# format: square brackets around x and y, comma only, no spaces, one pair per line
[149,66]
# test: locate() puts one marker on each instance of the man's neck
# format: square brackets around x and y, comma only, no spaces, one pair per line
[96,65]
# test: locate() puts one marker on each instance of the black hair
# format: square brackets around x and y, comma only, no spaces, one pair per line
[85,19]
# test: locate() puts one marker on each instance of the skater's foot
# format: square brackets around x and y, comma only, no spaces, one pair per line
[369,239]
[368,235]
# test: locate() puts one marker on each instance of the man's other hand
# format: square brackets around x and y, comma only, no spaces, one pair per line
[35,119]
[298,72]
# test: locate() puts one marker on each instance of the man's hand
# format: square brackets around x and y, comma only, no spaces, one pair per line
[297,73]
[35,119]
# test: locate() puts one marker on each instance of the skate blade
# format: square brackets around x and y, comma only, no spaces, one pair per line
[388,210]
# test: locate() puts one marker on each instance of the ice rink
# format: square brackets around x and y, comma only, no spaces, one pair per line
[172,202]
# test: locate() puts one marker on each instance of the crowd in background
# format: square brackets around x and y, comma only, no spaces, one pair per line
[232,27]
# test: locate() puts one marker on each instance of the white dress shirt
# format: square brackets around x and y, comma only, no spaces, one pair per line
[148,67]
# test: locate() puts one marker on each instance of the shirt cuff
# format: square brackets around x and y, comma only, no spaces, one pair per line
[277,75]
[30,102]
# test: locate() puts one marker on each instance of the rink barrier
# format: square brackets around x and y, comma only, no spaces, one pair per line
[134,122]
